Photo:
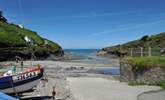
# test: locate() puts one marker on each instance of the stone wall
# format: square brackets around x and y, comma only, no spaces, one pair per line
[152,75]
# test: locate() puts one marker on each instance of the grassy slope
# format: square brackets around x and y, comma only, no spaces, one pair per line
[154,41]
[13,36]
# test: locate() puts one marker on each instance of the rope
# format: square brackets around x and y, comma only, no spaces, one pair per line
[42,89]
[11,82]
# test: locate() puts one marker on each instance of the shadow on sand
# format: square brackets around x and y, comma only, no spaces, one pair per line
[38,98]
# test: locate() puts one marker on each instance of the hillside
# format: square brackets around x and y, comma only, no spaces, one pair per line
[12,43]
[153,41]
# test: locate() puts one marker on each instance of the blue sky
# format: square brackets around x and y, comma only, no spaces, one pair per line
[88,23]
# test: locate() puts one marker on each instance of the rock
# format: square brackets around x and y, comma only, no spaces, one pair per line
[101,53]
[20,26]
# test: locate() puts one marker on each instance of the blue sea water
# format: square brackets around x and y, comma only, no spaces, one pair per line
[85,55]
[89,56]
[109,70]
[82,53]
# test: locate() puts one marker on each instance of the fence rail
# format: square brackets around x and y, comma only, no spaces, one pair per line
[145,52]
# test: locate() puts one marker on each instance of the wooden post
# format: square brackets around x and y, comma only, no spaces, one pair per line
[54,93]
[141,51]
[149,52]
[120,63]
[131,52]
[120,69]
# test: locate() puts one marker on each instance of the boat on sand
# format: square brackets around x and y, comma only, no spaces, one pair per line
[21,81]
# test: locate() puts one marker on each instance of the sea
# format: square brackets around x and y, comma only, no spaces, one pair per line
[89,56]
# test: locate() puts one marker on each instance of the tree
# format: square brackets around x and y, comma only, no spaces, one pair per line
[3,19]
[144,38]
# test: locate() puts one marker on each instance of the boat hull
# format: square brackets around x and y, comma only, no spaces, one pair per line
[21,82]
[21,88]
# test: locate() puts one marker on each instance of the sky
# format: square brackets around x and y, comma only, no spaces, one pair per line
[86,24]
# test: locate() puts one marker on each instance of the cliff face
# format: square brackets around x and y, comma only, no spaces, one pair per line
[12,43]
[154,41]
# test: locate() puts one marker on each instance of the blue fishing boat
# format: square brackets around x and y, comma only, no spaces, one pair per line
[17,82]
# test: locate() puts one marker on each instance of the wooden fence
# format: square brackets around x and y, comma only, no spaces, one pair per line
[145,52]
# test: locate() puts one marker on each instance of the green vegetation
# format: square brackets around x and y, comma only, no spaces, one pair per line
[52,45]
[141,63]
[154,41]
[12,36]
[162,84]
[132,83]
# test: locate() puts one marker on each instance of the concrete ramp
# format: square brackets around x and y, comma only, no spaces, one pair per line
[153,95]
[93,88]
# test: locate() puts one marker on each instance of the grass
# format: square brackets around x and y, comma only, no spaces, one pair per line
[153,41]
[141,63]
[52,45]
[13,36]
[132,83]
[162,84]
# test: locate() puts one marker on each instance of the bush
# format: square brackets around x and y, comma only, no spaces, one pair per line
[2,18]
[162,84]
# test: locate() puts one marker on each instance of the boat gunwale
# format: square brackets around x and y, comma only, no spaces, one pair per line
[36,68]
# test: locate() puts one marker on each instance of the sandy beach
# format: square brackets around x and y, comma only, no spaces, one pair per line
[78,81]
